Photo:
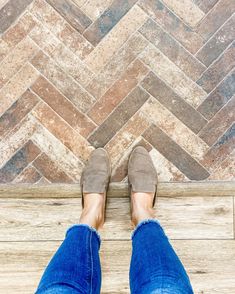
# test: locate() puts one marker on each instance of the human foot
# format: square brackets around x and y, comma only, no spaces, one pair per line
[94,184]
[142,178]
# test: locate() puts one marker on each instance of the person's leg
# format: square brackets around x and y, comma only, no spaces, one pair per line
[75,267]
[155,268]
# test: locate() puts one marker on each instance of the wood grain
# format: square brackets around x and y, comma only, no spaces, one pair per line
[165,189]
[182,218]
[210,265]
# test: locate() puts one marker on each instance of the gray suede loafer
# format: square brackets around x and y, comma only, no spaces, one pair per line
[96,174]
[142,175]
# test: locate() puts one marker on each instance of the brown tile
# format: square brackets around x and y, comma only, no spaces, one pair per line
[18,162]
[10,12]
[219,97]
[215,18]
[64,82]
[172,49]
[13,62]
[220,150]
[123,112]
[51,170]
[174,153]
[16,86]
[122,87]
[71,13]
[63,107]
[17,112]
[108,20]
[53,21]
[226,170]
[172,24]
[62,131]
[205,5]
[76,42]
[129,133]
[218,70]
[218,43]
[15,34]
[118,64]
[174,103]
[29,175]
[219,123]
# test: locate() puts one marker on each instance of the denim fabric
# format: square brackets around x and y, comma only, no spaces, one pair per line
[155,267]
[75,267]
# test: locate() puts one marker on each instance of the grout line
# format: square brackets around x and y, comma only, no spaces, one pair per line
[207,41]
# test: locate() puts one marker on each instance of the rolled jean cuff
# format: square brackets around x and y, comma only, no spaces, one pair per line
[145,222]
[74,227]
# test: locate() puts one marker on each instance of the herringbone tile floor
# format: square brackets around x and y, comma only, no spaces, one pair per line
[75,75]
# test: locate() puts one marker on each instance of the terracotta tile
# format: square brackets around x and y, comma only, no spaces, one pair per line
[120,89]
[65,83]
[220,150]
[226,170]
[218,70]
[76,42]
[15,139]
[123,112]
[105,50]
[60,28]
[219,123]
[219,97]
[175,154]
[172,49]
[58,152]
[215,18]
[29,175]
[174,103]
[117,65]
[17,86]
[173,76]
[166,171]
[108,20]
[10,12]
[186,10]
[18,162]
[12,63]
[62,131]
[71,13]
[123,139]
[205,5]
[100,7]
[155,113]
[17,112]
[44,38]
[171,23]
[71,64]
[218,43]
[15,34]
[63,107]
[51,170]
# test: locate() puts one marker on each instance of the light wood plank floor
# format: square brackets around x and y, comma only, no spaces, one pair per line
[201,230]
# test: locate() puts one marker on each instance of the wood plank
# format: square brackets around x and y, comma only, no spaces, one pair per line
[165,189]
[182,218]
[211,271]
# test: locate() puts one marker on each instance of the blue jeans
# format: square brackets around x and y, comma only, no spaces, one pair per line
[155,268]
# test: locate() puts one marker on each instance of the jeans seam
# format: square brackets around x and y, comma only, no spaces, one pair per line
[91,262]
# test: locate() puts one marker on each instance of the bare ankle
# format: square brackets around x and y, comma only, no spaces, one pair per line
[93,211]
[142,207]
